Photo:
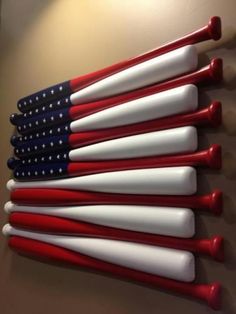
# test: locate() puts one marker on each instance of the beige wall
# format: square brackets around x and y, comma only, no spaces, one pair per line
[45,42]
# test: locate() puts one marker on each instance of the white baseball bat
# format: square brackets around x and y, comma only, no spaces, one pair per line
[164,181]
[171,141]
[176,222]
[146,73]
[171,263]
[174,101]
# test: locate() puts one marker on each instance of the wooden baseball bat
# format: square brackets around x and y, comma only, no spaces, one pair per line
[166,262]
[211,31]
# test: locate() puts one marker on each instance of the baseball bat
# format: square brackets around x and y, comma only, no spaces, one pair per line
[209,293]
[211,203]
[169,141]
[211,31]
[158,105]
[40,222]
[208,74]
[210,157]
[208,116]
[166,262]
[176,222]
[164,181]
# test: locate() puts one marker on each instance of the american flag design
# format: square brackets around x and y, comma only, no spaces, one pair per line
[104,169]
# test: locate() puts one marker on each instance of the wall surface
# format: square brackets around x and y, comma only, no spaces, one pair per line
[45,42]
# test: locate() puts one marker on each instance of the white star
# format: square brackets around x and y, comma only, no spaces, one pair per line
[43,145]
[42,159]
[60,115]
[23,162]
[60,170]
[43,133]
[50,106]
[35,159]
[52,118]
[31,136]
[35,147]
[37,135]
[19,127]
[51,144]
[60,142]
[67,100]
[37,123]
[30,125]
[66,128]
[58,102]
[64,155]
[43,108]
[25,103]
[30,101]
[22,150]
[24,126]
[17,150]
[28,149]
[17,174]
[36,173]
[50,131]
[28,173]
[24,115]
[44,120]
[60,88]
[23,174]
[50,157]
[43,172]
[51,171]
[19,105]
[36,98]
[29,161]
[30,113]
[44,95]
[20,139]
[58,156]
[52,91]
[58,130]
[36,110]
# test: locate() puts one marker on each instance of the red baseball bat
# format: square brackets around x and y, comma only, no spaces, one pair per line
[211,31]
[210,157]
[209,293]
[50,224]
[210,202]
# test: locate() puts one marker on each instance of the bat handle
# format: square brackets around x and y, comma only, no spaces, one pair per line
[12,163]
[209,293]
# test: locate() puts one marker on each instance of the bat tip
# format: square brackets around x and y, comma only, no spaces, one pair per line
[13,118]
[216,68]
[217,248]
[217,202]
[8,207]
[214,27]
[214,157]
[6,230]
[14,140]
[214,297]
[215,113]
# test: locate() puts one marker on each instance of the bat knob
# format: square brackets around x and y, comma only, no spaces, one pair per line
[214,297]
[214,158]
[217,248]
[14,140]
[12,163]
[216,69]
[215,114]
[216,202]
[214,27]
[14,118]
